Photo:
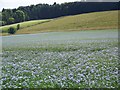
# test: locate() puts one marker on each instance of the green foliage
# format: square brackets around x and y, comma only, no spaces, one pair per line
[4,23]
[46,11]
[0,16]
[11,30]
[11,20]
[19,16]
[18,26]
[8,13]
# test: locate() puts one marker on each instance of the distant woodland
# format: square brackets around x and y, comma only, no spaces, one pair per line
[46,11]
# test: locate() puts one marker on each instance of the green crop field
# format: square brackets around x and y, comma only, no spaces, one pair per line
[81,59]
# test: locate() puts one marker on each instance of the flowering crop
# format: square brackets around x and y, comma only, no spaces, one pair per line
[56,63]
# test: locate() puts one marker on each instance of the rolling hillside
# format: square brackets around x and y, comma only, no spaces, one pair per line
[97,20]
[88,21]
[24,24]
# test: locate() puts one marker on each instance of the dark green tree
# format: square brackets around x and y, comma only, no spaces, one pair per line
[4,23]
[46,11]
[11,30]
[0,16]
[19,16]
[0,19]
[18,26]
[6,15]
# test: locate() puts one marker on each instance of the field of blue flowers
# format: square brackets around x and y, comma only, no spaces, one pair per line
[85,59]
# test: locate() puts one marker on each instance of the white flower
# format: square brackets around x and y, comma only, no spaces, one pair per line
[87,67]
[78,81]
[64,78]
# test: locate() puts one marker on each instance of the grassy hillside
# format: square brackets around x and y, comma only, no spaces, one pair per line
[88,21]
[97,20]
[24,24]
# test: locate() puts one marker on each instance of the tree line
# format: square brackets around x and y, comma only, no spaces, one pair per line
[46,11]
